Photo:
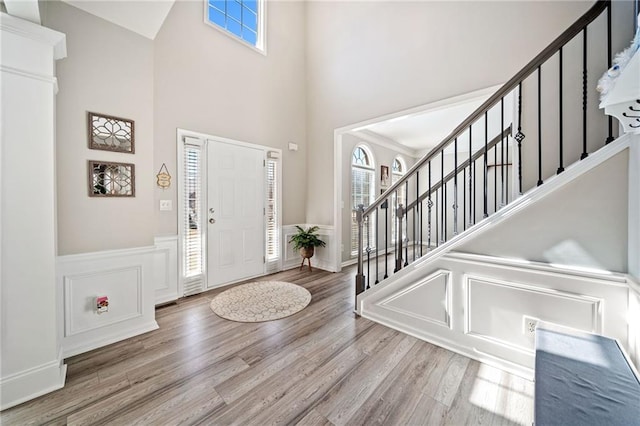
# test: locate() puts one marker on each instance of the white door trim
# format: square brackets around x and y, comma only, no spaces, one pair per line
[181,134]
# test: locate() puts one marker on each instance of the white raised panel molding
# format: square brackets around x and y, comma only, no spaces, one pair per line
[322,258]
[495,309]
[126,277]
[165,269]
[427,300]
[32,362]
[488,298]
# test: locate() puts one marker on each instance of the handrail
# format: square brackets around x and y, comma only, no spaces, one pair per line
[510,85]
[495,141]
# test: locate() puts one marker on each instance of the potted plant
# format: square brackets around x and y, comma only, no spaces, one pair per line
[306,242]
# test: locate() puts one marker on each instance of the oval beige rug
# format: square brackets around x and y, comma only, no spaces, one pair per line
[261,301]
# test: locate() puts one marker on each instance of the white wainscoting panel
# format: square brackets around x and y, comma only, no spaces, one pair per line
[126,277]
[322,256]
[487,300]
[165,269]
[495,310]
[427,300]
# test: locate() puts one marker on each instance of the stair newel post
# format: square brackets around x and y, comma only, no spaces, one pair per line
[385,206]
[359,274]
[399,215]
[367,221]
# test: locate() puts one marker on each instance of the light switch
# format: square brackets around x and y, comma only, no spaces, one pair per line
[166,205]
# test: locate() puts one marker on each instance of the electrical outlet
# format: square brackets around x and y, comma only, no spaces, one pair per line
[166,205]
[529,325]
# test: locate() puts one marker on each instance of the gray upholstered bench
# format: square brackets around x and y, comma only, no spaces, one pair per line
[583,379]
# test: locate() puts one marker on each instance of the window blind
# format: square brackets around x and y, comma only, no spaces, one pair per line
[193,233]
[272,225]
[362,192]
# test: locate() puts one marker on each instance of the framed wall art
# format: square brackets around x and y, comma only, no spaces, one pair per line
[108,179]
[110,133]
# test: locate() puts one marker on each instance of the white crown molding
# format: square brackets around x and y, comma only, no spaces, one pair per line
[35,32]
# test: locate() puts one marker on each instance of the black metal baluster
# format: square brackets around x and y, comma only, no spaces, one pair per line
[420,226]
[464,199]
[443,198]
[368,224]
[502,187]
[540,182]
[585,154]
[421,217]
[455,186]
[429,206]
[406,221]
[519,137]
[495,178]
[385,206]
[377,247]
[485,212]
[437,227]
[561,163]
[635,18]
[471,174]
[416,215]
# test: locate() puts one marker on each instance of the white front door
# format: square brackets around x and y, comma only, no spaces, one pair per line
[235,212]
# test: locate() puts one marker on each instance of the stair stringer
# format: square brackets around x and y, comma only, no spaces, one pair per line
[393,302]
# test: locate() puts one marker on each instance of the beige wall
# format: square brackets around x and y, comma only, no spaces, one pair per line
[108,70]
[367,59]
[207,82]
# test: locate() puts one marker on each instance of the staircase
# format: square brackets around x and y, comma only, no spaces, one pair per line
[538,135]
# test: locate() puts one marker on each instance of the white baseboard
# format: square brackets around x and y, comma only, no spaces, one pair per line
[32,383]
[89,344]
[126,277]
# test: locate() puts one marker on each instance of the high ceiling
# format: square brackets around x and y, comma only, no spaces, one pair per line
[144,17]
[424,130]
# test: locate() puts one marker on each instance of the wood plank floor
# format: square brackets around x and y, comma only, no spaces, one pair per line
[322,366]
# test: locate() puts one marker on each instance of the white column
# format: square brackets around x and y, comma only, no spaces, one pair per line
[30,355]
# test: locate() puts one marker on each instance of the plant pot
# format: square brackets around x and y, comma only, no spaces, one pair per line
[307,252]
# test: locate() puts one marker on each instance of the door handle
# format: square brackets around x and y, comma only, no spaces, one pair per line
[212,221]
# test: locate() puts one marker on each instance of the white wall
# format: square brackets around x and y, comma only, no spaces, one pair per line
[108,70]
[405,54]
[582,224]
[207,82]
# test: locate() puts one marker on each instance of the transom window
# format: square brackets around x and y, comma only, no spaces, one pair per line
[241,18]
[362,192]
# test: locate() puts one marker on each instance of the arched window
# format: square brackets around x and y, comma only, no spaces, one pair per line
[362,192]
[398,169]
